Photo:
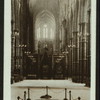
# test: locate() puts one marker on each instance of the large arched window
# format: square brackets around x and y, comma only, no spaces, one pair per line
[38,33]
[45,32]
[45,27]
[51,34]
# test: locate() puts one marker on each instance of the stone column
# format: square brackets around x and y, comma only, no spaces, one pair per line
[88,50]
[80,52]
[75,56]
[83,52]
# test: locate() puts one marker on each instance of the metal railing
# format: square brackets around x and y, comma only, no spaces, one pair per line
[47,96]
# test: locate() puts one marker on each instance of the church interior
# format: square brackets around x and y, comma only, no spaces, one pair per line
[51,40]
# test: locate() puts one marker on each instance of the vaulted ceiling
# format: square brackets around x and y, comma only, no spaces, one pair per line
[44,12]
[45,17]
[37,6]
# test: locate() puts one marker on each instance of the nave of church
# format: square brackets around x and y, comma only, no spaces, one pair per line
[51,40]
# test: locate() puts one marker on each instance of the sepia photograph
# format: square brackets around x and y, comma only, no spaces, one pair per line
[51,56]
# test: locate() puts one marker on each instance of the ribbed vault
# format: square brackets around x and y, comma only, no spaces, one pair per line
[36,6]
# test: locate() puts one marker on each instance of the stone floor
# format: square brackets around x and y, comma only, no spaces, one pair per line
[56,89]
